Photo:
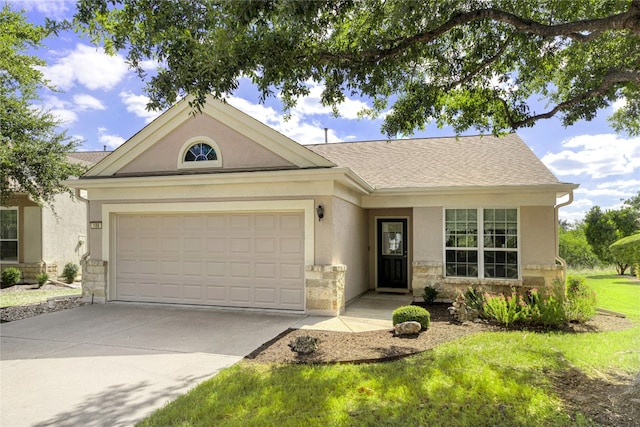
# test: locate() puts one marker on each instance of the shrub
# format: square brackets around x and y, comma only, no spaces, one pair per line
[10,276]
[543,309]
[429,294]
[504,309]
[474,299]
[42,278]
[581,300]
[409,313]
[304,344]
[70,272]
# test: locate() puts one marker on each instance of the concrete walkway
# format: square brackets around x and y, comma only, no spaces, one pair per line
[114,364]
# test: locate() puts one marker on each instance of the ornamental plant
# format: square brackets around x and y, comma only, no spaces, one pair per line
[10,276]
[70,272]
[581,300]
[543,309]
[408,313]
[42,278]
[504,309]
[429,294]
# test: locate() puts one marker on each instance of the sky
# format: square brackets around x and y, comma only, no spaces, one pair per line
[101,102]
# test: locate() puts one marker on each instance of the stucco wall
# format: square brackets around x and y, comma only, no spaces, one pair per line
[427,234]
[237,150]
[350,245]
[64,232]
[30,241]
[537,235]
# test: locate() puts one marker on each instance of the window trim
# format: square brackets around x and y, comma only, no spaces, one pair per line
[200,164]
[481,248]
[17,239]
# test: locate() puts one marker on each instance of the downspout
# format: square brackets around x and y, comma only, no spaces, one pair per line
[557,207]
[86,202]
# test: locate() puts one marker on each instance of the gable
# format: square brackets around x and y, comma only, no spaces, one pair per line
[244,144]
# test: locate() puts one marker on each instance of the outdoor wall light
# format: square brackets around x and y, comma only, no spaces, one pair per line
[320,212]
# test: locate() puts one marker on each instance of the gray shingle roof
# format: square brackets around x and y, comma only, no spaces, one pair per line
[441,162]
[89,157]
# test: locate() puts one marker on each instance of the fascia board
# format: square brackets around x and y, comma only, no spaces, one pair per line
[342,175]
[555,188]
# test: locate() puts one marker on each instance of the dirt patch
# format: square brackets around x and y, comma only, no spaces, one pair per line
[10,314]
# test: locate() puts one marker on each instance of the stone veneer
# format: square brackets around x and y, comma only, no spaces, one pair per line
[31,269]
[431,274]
[94,280]
[324,286]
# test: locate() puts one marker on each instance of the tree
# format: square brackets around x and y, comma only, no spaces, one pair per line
[604,228]
[627,249]
[464,63]
[574,248]
[32,150]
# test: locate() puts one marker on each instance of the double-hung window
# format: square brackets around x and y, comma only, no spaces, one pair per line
[9,235]
[481,243]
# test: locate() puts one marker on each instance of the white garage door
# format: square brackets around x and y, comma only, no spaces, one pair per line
[232,259]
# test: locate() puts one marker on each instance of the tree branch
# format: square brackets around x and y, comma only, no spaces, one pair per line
[581,31]
[610,79]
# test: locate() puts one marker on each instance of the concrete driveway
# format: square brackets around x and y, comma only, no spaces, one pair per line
[114,364]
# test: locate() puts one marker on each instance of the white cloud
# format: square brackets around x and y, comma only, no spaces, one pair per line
[62,110]
[607,192]
[619,103]
[88,66]
[137,104]
[311,105]
[597,156]
[56,9]
[294,128]
[111,141]
[85,102]
[632,184]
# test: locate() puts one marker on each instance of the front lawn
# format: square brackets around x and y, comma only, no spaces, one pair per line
[498,378]
[32,296]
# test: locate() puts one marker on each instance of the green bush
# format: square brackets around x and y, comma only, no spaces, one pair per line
[581,300]
[474,299]
[42,278]
[543,309]
[429,294]
[408,313]
[70,272]
[503,309]
[10,276]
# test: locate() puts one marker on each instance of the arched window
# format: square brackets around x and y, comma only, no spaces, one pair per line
[200,152]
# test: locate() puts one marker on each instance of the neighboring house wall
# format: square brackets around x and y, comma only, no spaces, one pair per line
[64,232]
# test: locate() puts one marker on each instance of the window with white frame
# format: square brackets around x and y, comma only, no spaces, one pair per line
[9,235]
[200,152]
[481,243]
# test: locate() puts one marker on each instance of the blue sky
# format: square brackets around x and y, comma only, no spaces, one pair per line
[101,102]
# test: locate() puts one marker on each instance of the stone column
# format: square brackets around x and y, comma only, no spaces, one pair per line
[324,286]
[426,273]
[94,281]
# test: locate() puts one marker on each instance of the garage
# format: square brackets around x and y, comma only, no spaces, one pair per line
[253,260]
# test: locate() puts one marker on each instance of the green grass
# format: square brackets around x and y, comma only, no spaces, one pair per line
[498,378]
[617,293]
[13,298]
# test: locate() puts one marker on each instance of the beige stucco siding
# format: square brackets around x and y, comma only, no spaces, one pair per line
[537,235]
[64,230]
[427,234]
[237,151]
[31,241]
[350,245]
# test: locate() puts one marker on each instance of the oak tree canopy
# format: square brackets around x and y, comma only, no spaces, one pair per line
[466,63]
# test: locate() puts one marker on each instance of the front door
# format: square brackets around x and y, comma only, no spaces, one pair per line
[392,253]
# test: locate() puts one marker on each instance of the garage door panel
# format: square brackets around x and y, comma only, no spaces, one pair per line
[237,259]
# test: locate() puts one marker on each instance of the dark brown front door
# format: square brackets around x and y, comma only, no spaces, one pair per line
[392,253]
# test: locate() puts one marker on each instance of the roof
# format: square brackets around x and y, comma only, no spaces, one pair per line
[441,162]
[89,157]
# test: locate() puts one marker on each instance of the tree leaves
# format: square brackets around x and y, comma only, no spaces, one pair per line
[468,64]
[33,153]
